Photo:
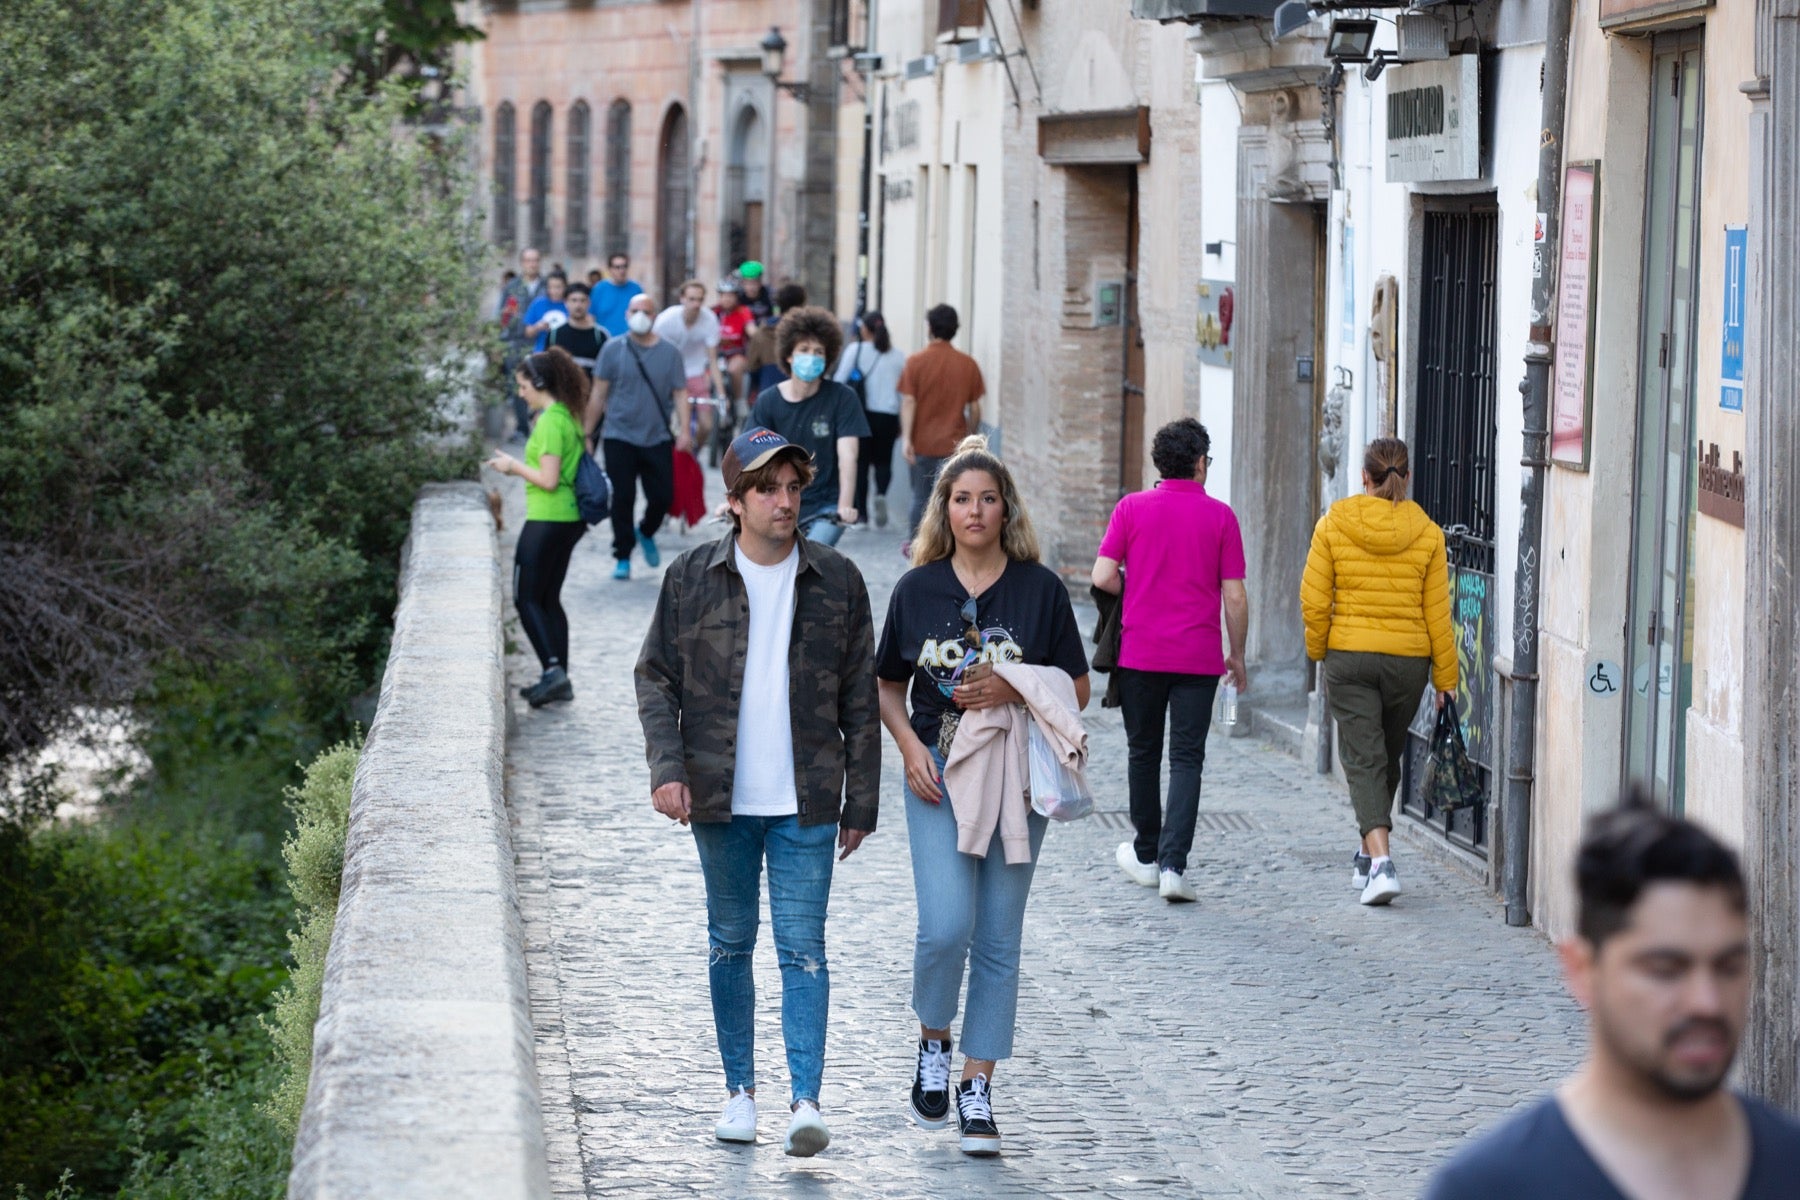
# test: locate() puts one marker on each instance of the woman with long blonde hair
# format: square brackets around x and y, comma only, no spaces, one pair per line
[977,594]
[1376,600]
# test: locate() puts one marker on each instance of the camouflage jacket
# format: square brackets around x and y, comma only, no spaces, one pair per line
[691,671]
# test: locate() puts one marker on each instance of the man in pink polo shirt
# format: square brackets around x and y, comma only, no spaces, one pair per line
[1182,554]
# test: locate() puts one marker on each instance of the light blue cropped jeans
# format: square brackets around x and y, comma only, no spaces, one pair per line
[971,910]
[800,859]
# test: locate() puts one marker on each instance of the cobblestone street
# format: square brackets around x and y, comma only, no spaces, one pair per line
[1275,1039]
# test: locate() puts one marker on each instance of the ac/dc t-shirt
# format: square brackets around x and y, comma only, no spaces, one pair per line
[1024,617]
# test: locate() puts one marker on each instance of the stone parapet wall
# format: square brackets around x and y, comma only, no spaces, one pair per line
[423,1079]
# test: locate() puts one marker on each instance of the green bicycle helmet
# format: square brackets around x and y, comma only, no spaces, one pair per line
[750,270]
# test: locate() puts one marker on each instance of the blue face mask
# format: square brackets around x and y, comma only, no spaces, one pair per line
[808,367]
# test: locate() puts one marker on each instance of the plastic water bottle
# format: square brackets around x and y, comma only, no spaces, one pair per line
[1228,705]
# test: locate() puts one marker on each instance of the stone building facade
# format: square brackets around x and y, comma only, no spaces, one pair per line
[1029,170]
[650,127]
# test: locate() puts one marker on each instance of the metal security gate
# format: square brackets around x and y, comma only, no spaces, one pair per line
[1453,416]
[1453,451]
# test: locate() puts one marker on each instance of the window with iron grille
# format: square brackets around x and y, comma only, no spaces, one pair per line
[575,226]
[538,214]
[673,221]
[506,166]
[840,22]
[1454,437]
[618,178]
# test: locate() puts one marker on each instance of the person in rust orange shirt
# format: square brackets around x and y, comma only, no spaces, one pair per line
[940,404]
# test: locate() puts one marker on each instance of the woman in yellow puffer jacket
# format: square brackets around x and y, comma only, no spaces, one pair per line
[1376,599]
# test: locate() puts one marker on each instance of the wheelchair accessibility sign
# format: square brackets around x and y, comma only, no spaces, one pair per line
[1605,679]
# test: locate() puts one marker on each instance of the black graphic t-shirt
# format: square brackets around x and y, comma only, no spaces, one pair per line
[815,423]
[1025,616]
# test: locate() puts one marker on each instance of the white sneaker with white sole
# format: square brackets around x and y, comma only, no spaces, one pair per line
[806,1134]
[1141,873]
[1383,885]
[1174,887]
[738,1122]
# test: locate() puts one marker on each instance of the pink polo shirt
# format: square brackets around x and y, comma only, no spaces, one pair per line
[1177,545]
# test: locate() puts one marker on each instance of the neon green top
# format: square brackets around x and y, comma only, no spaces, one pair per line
[555,433]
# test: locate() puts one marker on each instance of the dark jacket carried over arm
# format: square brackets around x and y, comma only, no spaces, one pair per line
[690,677]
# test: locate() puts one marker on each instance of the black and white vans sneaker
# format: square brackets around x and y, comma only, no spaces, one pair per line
[930,1105]
[975,1117]
[1359,870]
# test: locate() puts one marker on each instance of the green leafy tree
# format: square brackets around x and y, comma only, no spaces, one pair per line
[236,297]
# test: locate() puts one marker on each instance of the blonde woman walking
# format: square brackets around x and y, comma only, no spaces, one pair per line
[977,594]
[1376,600]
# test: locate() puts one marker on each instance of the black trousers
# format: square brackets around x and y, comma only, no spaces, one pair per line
[627,465]
[540,561]
[1148,700]
[875,453]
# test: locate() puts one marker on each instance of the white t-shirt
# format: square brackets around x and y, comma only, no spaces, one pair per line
[696,342]
[762,785]
[881,371]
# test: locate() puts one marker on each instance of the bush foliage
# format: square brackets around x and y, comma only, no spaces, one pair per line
[229,284]
[315,863]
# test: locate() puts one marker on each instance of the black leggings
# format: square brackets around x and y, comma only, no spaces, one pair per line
[876,454]
[540,561]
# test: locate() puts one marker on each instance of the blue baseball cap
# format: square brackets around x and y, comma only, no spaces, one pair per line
[753,448]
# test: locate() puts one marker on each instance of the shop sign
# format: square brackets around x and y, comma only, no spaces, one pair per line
[1731,364]
[1433,121]
[1572,377]
[1212,327]
[1721,490]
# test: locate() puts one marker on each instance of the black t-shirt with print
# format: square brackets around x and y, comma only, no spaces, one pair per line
[815,424]
[1025,616]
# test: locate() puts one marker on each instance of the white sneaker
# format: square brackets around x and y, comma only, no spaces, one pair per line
[1383,886]
[1141,872]
[738,1122]
[1359,870]
[1174,887]
[806,1134]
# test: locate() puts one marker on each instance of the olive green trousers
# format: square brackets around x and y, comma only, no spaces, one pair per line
[1373,697]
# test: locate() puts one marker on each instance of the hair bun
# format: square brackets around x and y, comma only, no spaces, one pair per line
[975,442]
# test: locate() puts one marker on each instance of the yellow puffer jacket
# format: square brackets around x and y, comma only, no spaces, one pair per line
[1376,581]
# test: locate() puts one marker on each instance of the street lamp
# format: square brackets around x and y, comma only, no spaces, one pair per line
[774,56]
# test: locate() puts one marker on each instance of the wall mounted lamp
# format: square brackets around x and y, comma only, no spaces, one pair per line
[774,59]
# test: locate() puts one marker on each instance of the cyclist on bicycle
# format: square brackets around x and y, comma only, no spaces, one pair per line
[735,320]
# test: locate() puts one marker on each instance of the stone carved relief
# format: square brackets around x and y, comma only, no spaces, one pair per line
[1331,425]
[1285,180]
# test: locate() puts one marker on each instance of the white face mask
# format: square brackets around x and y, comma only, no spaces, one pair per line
[639,322]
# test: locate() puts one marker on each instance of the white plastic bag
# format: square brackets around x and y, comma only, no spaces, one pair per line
[1058,791]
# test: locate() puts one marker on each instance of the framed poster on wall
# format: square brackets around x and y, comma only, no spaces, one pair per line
[1572,372]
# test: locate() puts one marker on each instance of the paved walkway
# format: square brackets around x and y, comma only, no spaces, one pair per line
[1273,1040]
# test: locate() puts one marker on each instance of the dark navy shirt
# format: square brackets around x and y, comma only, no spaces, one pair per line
[1536,1154]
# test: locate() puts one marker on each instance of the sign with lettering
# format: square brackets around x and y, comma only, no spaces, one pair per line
[1731,364]
[1721,492]
[1434,120]
[1571,382]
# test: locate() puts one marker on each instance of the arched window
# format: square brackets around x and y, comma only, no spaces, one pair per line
[506,170]
[673,221]
[618,178]
[575,228]
[538,219]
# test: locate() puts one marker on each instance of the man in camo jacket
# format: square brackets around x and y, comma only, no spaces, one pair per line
[756,690]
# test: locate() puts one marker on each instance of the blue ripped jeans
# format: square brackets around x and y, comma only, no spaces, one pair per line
[800,859]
